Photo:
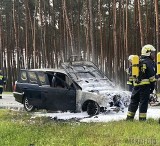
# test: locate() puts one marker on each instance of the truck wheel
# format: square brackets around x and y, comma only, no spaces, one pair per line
[27,106]
[93,108]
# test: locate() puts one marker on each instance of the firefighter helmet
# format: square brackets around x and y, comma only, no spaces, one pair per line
[130,58]
[147,49]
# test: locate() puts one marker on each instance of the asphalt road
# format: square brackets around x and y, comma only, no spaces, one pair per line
[8,102]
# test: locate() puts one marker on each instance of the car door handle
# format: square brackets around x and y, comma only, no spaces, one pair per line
[45,91]
[25,88]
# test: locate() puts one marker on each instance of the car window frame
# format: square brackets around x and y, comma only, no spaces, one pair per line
[61,80]
[47,80]
[20,80]
[38,82]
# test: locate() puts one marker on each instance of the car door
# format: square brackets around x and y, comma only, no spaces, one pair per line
[33,90]
[57,98]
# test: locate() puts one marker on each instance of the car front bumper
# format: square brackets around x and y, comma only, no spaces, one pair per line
[18,97]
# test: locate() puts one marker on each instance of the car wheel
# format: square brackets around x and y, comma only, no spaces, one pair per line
[93,108]
[27,106]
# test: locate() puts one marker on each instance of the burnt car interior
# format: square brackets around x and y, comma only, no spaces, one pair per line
[59,80]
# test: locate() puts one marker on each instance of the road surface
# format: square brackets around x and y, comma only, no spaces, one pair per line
[8,102]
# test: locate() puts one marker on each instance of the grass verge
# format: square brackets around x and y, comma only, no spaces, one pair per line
[18,129]
[7,92]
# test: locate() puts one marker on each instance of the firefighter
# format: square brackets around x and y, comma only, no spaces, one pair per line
[129,72]
[2,82]
[144,84]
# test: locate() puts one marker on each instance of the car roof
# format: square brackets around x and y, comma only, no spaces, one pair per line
[79,63]
[46,70]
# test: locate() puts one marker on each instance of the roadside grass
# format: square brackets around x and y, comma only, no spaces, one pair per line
[7,92]
[19,129]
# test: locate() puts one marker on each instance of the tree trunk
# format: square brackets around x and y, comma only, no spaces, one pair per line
[140,24]
[17,51]
[115,42]
[157,25]
[68,26]
[126,34]
[94,59]
[1,52]
[26,35]
[100,34]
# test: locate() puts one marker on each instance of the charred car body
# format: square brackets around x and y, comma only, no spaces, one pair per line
[77,86]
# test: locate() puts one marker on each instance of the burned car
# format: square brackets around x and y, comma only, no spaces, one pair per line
[77,86]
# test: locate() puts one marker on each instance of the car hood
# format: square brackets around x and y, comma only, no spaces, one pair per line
[103,87]
[95,85]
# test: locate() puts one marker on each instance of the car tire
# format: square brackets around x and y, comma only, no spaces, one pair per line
[93,108]
[27,106]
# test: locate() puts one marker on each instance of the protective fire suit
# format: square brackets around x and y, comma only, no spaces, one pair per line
[143,86]
[2,82]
